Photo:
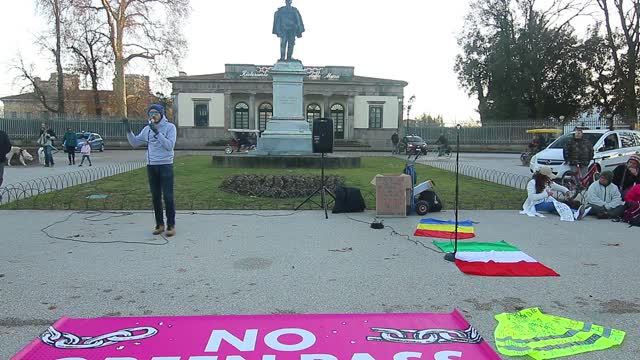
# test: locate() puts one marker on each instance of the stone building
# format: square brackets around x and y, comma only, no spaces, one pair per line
[364,109]
[79,102]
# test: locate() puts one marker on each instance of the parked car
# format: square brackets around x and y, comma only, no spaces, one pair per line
[95,140]
[411,144]
[610,149]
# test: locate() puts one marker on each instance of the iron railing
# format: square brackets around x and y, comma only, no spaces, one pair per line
[15,193]
[497,177]
[505,132]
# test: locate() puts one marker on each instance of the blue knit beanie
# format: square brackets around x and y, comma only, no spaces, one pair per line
[159,108]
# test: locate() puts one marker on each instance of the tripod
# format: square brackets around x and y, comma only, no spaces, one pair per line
[324,192]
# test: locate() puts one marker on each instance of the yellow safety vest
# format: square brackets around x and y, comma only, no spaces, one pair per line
[530,332]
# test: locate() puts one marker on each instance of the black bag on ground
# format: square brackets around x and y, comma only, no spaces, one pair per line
[348,200]
[435,204]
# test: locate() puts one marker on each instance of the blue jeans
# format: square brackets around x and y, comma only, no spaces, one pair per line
[546,206]
[48,155]
[161,183]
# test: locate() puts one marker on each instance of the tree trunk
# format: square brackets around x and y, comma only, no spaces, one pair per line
[58,54]
[120,88]
[630,91]
[96,96]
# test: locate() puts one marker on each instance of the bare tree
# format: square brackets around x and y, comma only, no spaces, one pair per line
[55,9]
[90,47]
[625,56]
[140,29]
[25,75]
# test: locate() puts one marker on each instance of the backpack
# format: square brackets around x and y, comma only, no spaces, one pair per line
[435,204]
[632,214]
[348,200]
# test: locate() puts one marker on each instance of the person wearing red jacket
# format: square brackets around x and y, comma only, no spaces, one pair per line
[633,195]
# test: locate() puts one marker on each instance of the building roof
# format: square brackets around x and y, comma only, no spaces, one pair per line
[221,77]
[75,95]
[25,96]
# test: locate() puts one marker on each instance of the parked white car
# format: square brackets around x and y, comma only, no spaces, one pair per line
[610,149]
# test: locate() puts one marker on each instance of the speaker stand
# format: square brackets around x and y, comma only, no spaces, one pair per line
[322,190]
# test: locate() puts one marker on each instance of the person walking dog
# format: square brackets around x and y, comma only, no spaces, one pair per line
[160,137]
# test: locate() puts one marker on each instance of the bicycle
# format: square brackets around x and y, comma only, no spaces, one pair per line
[576,183]
[442,151]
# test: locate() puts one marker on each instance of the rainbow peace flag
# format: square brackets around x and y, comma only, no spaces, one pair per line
[442,229]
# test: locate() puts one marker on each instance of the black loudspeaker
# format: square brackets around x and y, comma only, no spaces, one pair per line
[322,135]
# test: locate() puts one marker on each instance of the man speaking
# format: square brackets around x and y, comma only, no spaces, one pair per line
[160,137]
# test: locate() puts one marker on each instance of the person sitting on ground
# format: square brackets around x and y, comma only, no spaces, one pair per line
[627,175]
[540,195]
[633,195]
[604,198]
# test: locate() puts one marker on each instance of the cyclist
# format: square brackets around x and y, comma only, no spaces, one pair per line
[443,144]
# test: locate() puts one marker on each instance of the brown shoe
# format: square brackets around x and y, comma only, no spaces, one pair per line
[158,230]
[171,231]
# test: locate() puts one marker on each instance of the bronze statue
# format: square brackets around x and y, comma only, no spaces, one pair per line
[287,24]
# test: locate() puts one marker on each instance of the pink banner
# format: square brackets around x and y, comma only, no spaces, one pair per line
[263,337]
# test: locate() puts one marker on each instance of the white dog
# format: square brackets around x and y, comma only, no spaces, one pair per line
[41,155]
[22,155]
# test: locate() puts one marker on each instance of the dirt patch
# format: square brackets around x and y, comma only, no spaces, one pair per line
[620,307]
[508,304]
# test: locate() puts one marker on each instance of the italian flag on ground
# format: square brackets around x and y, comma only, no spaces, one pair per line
[494,259]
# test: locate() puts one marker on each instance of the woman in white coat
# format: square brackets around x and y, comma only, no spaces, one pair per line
[540,195]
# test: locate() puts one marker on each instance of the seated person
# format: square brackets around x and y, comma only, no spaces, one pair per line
[533,145]
[627,175]
[540,195]
[604,198]
[542,143]
[633,195]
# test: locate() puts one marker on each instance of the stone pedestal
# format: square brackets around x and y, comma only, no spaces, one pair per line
[288,132]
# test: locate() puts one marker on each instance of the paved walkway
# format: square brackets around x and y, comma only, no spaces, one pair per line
[16,174]
[222,263]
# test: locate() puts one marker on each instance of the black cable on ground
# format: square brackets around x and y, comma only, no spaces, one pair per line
[396,233]
[95,216]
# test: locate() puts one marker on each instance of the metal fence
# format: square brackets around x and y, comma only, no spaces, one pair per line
[108,128]
[16,193]
[505,133]
[485,135]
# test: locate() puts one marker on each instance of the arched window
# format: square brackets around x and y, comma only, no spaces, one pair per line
[313,112]
[241,116]
[265,113]
[337,114]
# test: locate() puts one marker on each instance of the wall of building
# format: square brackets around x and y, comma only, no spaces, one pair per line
[389,114]
[186,108]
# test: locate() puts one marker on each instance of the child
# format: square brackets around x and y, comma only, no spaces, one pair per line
[85,150]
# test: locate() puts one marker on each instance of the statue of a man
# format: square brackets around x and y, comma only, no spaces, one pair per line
[287,24]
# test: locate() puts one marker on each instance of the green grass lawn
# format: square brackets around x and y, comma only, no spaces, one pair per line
[197,187]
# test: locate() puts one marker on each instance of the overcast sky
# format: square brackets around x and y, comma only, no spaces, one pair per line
[411,40]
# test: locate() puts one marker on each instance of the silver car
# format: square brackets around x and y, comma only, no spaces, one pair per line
[610,149]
